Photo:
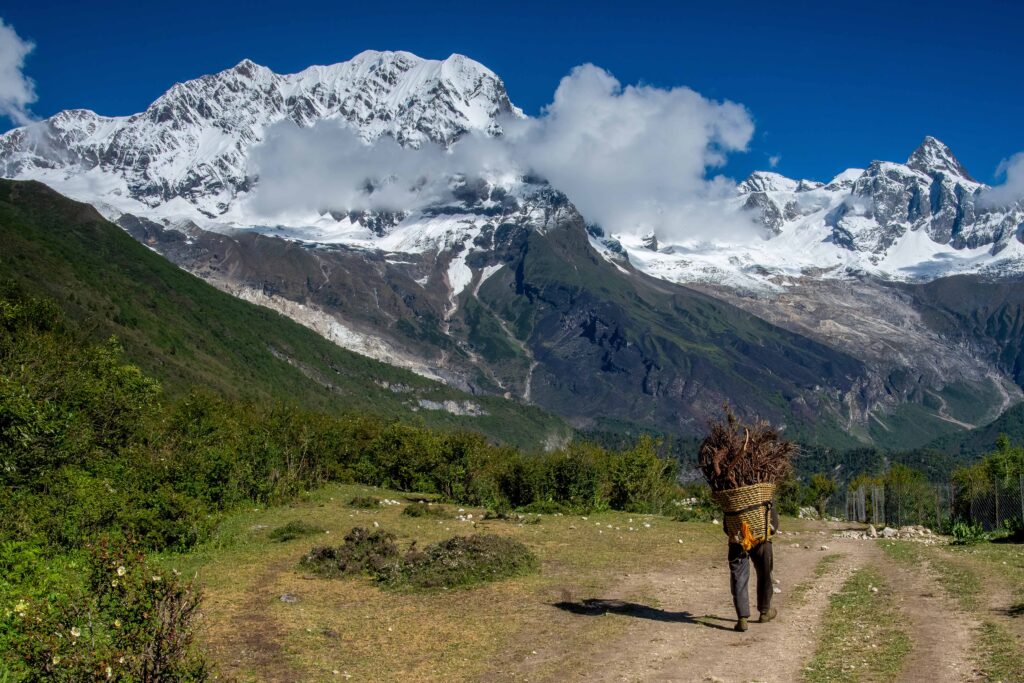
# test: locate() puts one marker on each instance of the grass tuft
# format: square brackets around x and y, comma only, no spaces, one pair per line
[1001,657]
[364,502]
[293,530]
[424,510]
[798,595]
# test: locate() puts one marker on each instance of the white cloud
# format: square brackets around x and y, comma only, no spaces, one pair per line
[634,159]
[17,91]
[773,161]
[329,167]
[1012,189]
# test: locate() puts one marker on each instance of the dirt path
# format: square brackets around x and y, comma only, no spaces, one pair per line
[688,636]
[708,648]
[252,633]
[941,633]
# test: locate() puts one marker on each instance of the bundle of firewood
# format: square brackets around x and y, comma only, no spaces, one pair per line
[734,454]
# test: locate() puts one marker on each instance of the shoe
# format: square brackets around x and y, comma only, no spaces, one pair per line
[741,625]
[768,616]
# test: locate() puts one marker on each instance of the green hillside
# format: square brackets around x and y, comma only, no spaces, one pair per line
[185,332]
[618,350]
[977,442]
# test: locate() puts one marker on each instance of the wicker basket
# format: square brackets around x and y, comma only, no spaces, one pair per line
[750,504]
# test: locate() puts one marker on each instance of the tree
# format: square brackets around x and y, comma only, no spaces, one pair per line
[823,487]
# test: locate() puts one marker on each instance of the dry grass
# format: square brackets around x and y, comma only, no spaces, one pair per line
[353,627]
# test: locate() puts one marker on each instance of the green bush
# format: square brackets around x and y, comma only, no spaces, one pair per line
[122,619]
[293,530]
[545,507]
[363,552]
[641,481]
[694,514]
[426,510]
[365,502]
[967,534]
[460,561]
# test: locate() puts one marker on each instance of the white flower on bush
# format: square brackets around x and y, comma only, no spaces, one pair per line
[121,570]
[75,631]
[117,623]
[21,608]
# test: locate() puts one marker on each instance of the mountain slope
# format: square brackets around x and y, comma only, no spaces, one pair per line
[983,313]
[614,343]
[522,305]
[184,332]
[977,442]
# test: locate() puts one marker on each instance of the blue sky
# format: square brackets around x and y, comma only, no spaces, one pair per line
[829,85]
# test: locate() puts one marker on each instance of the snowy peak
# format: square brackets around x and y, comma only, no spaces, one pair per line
[767,181]
[934,156]
[192,144]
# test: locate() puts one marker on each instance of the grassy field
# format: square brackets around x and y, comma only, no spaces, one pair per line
[354,627]
[617,596]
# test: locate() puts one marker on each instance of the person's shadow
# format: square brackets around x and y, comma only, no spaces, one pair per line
[596,607]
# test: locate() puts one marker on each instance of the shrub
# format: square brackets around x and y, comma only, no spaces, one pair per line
[460,561]
[457,561]
[694,514]
[967,534]
[125,620]
[364,502]
[363,552]
[641,480]
[545,507]
[293,530]
[503,515]
[425,510]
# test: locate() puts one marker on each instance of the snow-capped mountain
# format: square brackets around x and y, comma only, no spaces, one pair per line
[189,150]
[915,221]
[498,284]
[186,160]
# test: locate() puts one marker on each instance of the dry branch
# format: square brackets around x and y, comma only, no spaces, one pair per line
[735,454]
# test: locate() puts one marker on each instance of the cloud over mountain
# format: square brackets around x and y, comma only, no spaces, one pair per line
[17,91]
[1011,190]
[634,159]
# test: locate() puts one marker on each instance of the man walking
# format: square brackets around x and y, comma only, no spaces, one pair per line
[739,577]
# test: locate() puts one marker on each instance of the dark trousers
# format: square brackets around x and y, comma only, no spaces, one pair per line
[739,576]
